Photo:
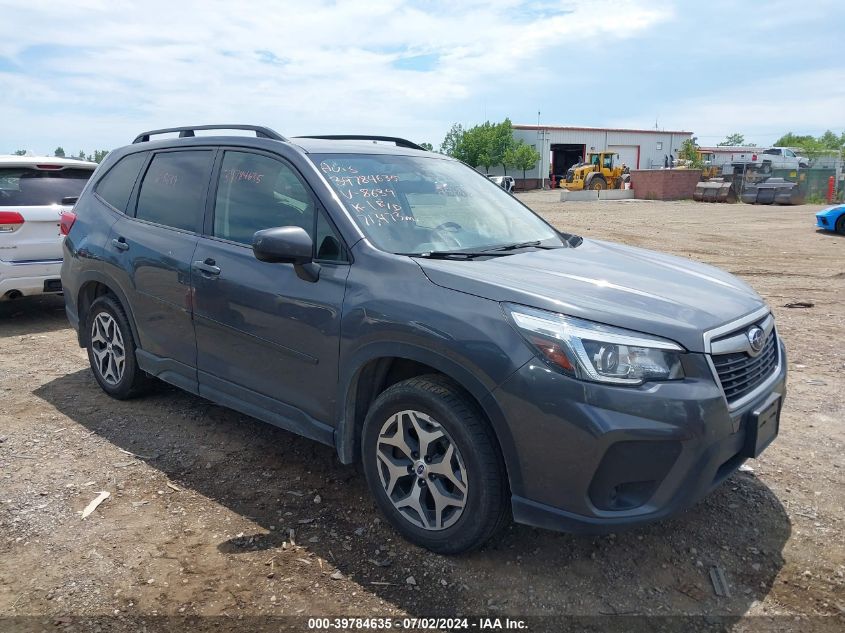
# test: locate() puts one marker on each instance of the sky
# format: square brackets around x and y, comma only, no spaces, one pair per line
[92,74]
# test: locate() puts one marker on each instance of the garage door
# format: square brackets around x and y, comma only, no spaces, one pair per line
[628,154]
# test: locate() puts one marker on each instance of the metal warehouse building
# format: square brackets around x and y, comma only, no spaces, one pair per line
[561,146]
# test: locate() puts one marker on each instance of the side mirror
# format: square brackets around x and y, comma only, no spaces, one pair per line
[287,245]
[283,245]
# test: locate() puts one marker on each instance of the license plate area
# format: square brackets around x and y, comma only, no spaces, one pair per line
[762,426]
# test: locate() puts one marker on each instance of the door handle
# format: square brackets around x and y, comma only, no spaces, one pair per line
[120,244]
[209,266]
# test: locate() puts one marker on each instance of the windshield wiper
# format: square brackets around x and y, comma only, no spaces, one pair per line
[454,254]
[518,245]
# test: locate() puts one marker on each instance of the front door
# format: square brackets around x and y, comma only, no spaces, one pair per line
[266,336]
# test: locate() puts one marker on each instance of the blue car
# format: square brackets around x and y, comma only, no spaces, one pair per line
[832,219]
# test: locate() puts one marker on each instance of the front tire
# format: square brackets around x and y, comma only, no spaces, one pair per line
[433,465]
[840,225]
[598,183]
[111,350]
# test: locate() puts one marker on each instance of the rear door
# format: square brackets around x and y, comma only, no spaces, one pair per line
[154,249]
[30,206]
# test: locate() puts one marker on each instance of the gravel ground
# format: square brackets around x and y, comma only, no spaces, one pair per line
[213,513]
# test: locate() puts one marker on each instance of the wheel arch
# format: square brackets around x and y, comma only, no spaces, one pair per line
[593,176]
[95,284]
[378,366]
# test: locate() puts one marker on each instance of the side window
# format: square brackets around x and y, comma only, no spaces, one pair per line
[173,190]
[328,245]
[257,192]
[116,186]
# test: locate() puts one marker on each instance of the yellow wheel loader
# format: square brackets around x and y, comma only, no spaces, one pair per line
[600,171]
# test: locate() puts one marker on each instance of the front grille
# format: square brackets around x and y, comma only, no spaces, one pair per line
[740,373]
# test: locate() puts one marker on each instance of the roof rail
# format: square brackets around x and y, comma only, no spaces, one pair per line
[187,132]
[400,142]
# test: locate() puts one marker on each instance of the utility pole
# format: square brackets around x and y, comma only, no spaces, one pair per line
[542,138]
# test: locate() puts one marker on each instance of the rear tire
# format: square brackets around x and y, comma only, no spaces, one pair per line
[433,465]
[111,350]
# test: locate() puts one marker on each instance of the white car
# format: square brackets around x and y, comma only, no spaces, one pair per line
[34,191]
[505,182]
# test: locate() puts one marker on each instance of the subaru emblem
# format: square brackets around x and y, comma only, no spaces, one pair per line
[756,338]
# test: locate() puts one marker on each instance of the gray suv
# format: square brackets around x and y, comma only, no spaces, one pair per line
[397,305]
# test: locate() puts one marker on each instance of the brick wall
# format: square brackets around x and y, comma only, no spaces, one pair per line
[528,183]
[664,184]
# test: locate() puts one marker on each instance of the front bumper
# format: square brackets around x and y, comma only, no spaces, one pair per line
[30,278]
[824,222]
[591,457]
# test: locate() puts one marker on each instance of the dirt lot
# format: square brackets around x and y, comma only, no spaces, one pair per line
[214,513]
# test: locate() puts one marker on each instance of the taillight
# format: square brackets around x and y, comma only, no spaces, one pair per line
[66,220]
[753,156]
[10,221]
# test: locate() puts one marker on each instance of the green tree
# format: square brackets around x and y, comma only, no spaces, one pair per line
[524,157]
[501,136]
[483,139]
[99,155]
[733,139]
[452,140]
[829,140]
[81,155]
[20,152]
[427,146]
[810,146]
[689,153]
[470,146]
[60,152]
[794,140]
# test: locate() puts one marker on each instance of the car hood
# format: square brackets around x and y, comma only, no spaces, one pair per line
[834,210]
[628,287]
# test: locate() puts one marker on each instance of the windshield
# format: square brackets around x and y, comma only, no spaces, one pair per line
[414,204]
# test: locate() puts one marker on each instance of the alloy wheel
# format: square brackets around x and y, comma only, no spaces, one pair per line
[108,348]
[421,470]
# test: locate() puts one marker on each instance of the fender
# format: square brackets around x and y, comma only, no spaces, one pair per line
[346,433]
[111,284]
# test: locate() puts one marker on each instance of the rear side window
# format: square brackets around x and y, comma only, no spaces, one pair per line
[116,186]
[29,186]
[173,190]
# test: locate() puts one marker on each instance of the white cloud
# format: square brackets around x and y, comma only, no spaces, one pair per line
[124,66]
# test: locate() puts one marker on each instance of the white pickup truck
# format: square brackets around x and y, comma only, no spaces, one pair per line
[765,160]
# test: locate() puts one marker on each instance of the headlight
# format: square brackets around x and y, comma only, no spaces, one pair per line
[596,352]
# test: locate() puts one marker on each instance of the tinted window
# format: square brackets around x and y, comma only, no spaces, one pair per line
[257,192]
[28,186]
[116,186]
[173,190]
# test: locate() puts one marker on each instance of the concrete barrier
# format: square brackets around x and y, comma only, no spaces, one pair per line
[590,195]
[616,194]
[578,196]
